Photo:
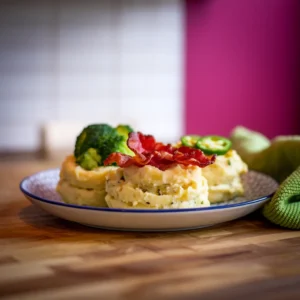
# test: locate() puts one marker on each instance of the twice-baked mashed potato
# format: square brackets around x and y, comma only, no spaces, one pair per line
[223,177]
[80,186]
[150,187]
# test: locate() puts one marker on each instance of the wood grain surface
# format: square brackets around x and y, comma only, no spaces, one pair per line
[43,257]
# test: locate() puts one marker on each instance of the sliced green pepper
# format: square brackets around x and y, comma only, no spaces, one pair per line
[214,144]
[190,140]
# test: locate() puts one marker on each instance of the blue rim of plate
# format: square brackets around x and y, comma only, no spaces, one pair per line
[107,209]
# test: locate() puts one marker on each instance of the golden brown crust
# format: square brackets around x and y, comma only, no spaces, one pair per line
[82,187]
[81,178]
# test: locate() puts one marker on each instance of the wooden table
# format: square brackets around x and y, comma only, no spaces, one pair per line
[43,257]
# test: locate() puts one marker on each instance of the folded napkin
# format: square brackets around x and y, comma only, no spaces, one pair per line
[280,159]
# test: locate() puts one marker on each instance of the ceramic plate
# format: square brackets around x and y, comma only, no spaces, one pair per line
[40,190]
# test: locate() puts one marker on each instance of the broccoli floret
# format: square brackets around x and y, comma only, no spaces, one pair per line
[103,138]
[89,159]
[124,130]
[123,148]
[96,142]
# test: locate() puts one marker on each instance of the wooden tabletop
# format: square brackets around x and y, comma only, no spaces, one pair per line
[43,257]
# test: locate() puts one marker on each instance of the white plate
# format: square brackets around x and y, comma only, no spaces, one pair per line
[40,190]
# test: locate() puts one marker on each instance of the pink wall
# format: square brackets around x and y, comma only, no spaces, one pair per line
[241,66]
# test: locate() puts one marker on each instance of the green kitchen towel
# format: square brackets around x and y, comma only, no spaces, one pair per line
[284,207]
[280,159]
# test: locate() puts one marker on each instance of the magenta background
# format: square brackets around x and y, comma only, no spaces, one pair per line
[242,66]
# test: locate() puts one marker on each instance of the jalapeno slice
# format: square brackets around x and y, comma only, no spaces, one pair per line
[213,144]
[190,140]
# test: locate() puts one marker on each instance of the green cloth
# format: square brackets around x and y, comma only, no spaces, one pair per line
[280,159]
[284,207]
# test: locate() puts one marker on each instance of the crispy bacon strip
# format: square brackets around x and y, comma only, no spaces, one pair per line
[163,156]
[120,159]
[191,156]
[140,143]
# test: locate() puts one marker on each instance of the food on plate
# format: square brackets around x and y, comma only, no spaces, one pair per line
[150,187]
[224,176]
[213,144]
[120,168]
[80,186]
[189,140]
[83,175]
[97,141]
[158,176]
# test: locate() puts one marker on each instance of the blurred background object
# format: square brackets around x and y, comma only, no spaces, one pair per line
[165,67]
[65,63]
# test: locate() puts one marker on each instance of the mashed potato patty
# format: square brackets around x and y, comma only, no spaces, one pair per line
[80,186]
[149,187]
[223,177]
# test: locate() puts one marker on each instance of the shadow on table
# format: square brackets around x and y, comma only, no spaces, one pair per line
[36,217]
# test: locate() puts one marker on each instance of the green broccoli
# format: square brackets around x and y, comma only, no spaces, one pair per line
[89,159]
[124,130]
[96,142]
